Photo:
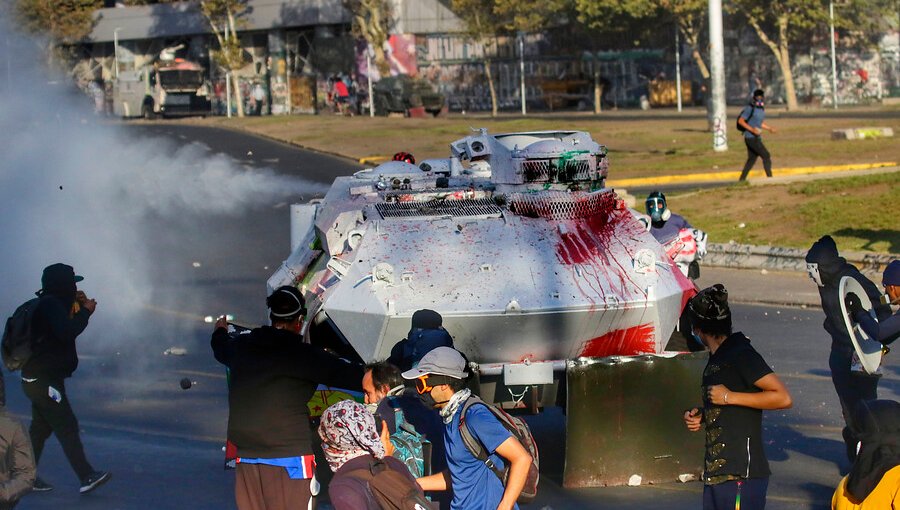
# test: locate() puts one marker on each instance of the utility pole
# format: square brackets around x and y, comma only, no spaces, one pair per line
[677,67]
[833,57]
[717,65]
[522,69]
[369,79]
[116,50]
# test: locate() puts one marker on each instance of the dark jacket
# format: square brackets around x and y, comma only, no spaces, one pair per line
[54,355]
[17,469]
[351,493]
[273,376]
[734,442]
[833,267]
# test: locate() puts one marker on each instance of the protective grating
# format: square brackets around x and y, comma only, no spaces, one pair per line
[454,208]
[536,170]
[561,205]
[579,170]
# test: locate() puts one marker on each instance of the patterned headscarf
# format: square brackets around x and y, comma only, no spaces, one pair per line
[348,431]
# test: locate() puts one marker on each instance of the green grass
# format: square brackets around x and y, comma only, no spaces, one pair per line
[859,212]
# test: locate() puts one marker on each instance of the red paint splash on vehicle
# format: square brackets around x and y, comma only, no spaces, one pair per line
[622,342]
[688,288]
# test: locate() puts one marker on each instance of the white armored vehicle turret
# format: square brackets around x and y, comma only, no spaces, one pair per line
[514,240]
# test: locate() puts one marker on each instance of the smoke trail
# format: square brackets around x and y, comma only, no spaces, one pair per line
[78,191]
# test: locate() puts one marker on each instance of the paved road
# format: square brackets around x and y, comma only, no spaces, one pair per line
[163,444]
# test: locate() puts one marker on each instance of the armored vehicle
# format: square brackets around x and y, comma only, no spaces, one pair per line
[538,269]
[401,94]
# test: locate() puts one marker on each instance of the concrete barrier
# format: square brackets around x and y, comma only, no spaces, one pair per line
[861,133]
[748,256]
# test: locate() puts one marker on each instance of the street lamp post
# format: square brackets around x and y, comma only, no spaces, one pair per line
[116,50]
[717,65]
[677,68]
[522,69]
[834,100]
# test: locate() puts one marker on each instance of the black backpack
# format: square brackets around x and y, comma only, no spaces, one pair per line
[519,429]
[738,120]
[19,336]
[392,489]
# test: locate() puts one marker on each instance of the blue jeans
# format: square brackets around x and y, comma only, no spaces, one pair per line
[725,496]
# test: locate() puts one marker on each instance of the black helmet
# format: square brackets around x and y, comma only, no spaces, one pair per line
[657,208]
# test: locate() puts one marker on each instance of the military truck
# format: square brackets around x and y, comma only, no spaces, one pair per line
[407,95]
[165,88]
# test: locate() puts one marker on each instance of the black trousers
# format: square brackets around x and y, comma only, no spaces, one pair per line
[51,417]
[756,149]
[852,388]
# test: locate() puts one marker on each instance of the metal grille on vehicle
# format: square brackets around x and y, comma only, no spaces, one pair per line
[561,205]
[483,207]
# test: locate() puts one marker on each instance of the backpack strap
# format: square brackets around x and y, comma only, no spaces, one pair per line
[472,444]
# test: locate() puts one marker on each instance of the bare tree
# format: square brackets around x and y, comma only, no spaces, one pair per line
[223,16]
[481,26]
[372,21]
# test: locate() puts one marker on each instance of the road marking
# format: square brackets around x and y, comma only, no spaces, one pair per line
[198,373]
[373,160]
[733,175]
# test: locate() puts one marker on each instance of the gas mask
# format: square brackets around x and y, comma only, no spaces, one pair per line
[813,270]
[657,209]
[759,102]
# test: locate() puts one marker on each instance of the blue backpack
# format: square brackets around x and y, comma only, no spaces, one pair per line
[410,447]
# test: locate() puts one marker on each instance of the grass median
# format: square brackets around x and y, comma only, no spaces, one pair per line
[857,211]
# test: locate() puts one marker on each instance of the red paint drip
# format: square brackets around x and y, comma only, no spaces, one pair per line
[622,342]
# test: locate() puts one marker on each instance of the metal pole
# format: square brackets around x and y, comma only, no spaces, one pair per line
[116,50]
[717,64]
[677,67]
[228,94]
[834,100]
[369,79]
[522,70]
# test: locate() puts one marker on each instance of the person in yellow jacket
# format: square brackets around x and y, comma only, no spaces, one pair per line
[874,479]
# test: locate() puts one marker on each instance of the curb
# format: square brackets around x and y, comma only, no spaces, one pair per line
[734,175]
[747,256]
[373,160]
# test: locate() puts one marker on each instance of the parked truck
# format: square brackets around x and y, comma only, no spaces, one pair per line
[166,88]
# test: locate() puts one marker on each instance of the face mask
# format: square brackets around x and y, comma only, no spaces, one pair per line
[697,339]
[760,104]
[372,408]
[813,270]
[427,400]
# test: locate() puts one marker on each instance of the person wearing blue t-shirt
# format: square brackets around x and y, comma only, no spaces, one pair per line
[440,382]
[753,120]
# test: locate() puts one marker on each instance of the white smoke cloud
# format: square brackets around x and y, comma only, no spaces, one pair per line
[78,190]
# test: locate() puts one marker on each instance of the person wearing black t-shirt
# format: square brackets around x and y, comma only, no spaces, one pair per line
[738,385]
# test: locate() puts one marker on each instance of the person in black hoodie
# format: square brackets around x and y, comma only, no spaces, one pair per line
[826,268]
[738,385]
[273,376]
[62,314]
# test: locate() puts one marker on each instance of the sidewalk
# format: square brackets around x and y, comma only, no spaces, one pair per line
[760,286]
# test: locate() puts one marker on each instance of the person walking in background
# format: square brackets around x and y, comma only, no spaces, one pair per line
[273,375]
[357,452]
[738,385]
[17,469]
[853,385]
[752,122]
[426,333]
[874,479]
[62,314]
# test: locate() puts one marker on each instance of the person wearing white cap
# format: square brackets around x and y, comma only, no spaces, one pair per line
[440,380]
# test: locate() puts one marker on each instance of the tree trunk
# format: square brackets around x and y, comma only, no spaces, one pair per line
[384,68]
[784,63]
[598,92]
[238,98]
[490,80]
